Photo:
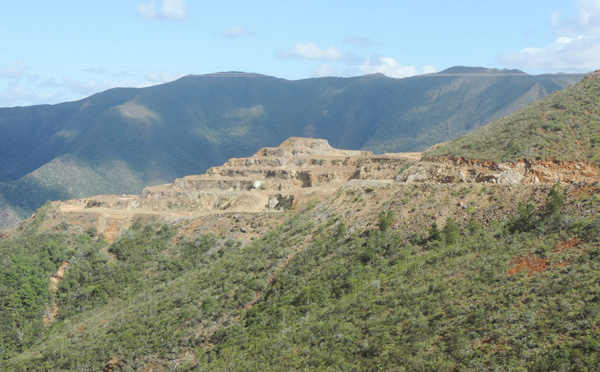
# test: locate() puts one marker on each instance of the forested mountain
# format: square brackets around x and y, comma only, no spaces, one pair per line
[124,139]
[457,261]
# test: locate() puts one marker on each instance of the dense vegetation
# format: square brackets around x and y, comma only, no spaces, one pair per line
[520,294]
[562,126]
[314,293]
[27,262]
[121,140]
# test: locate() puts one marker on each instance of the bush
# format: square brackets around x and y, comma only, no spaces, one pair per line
[385,220]
[555,199]
[92,231]
[526,218]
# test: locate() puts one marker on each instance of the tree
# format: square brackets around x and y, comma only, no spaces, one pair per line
[555,199]
[451,231]
[434,233]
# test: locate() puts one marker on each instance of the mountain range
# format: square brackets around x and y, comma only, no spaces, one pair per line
[124,139]
[479,254]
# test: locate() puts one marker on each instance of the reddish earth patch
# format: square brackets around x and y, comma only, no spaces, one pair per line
[532,264]
[567,244]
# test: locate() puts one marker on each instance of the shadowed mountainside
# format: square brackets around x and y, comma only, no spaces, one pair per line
[124,139]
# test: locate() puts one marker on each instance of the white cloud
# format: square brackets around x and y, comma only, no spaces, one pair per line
[576,46]
[22,85]
[13,71]
[392,68]
[33,90]
[170,9]
[236,31]
[19,95]
[312,51]
[147,10]
[581,53]
[174,9]
[589,15]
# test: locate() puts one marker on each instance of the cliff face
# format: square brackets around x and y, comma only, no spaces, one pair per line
[244,195]
[271,181]
[462,170]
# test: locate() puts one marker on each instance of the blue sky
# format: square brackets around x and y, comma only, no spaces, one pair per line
[56,51]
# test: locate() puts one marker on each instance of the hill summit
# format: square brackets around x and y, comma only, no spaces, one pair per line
[564,126]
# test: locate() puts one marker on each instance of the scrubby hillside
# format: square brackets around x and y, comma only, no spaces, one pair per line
[397,264]
[562,126]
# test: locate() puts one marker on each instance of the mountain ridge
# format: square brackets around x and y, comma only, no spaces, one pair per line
[152,135]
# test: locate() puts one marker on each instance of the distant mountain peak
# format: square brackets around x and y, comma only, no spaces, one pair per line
[467,70]
[234,73]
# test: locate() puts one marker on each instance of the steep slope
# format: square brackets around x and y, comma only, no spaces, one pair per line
[564,126]
[470,265]
[121,140]
[275,179]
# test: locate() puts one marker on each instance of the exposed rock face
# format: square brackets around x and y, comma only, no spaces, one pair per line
[460,170]
[274,179]
[301,169]
[288,173]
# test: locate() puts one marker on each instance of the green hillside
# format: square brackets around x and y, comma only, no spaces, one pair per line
[562,126]
[121,140]
[314,294]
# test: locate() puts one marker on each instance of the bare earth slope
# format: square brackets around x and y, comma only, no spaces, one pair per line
[244,196]
[271,181]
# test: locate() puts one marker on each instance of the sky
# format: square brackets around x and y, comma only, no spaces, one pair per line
[65,50]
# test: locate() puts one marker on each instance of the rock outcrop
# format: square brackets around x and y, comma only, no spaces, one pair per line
[461,170]
[273,180]
[244,195]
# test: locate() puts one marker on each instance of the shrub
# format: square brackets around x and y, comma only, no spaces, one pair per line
[555,199]
[385,220]
[526,218]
